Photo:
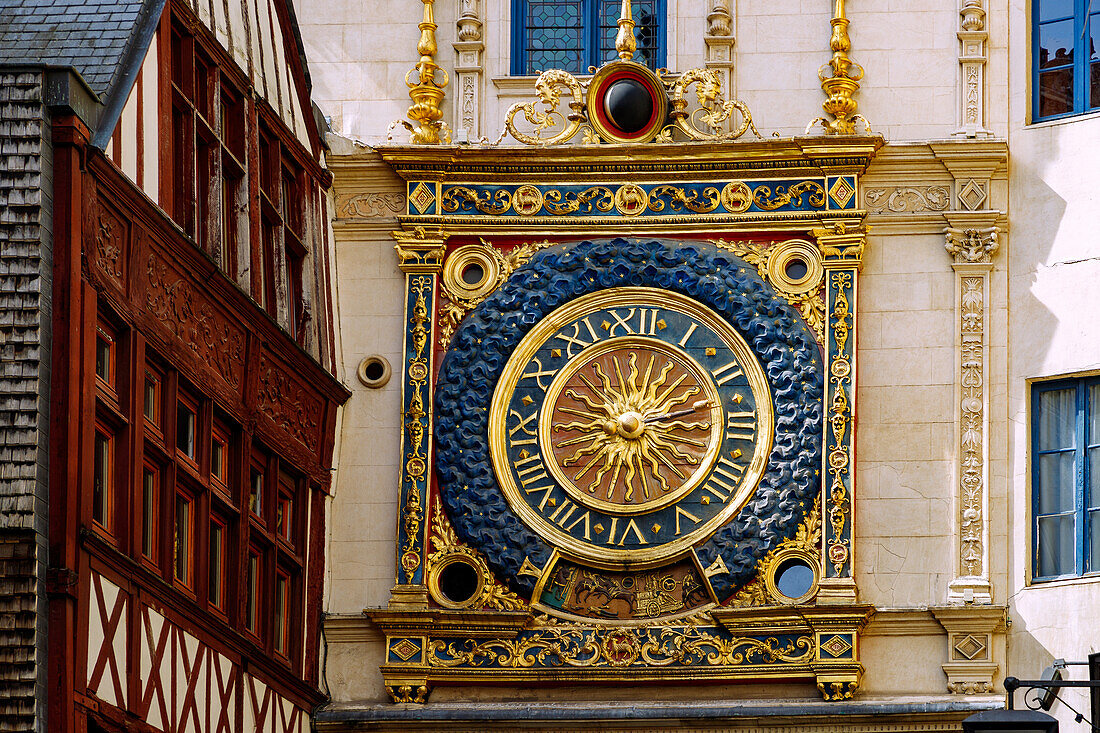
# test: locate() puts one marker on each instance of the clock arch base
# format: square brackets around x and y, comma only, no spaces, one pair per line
[762,644]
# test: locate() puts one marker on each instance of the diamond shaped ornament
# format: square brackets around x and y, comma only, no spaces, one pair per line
[836,646]
[405,649]
[422,197]
[842,192]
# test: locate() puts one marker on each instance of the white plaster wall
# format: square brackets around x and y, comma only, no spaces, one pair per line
[1054,331]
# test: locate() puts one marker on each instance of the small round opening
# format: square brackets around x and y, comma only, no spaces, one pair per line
[458,582]
[374,370]
[473,274]
[796,268]
[794,578]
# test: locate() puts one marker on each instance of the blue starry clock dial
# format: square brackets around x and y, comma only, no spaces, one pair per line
[628,424]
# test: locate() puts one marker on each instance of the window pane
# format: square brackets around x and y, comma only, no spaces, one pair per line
[217,564]
[280,615]
[1093,541]
[101,479]
[217,459]
[1056,479]
[256,494]
[1055,546]
[1094,37]
[644,13]
[148,512]
[1093,498]
[1057,419]
[103,358]
[185,431]
[1056,44]
[1051,9]
[253,593]
[183,540]
[1055,92]
[150,406]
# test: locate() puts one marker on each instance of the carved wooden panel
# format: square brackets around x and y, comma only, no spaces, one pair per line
[192,318]
[112,243]
[288,403]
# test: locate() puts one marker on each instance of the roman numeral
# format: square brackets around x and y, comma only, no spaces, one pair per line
[562,514]
[576,339]
[546,491]
[739,422]
[621,322]
[652,328]
[686,515]
[726,373]
[723,482]
[522,425]
[630,528]
[691,330]
[538,374]
[532,471]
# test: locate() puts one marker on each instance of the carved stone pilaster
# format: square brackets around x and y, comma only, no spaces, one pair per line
[972,36]
[469,72]
[719,41]
[841,244]
[972,242]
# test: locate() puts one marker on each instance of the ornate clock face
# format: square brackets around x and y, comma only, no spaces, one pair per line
[628,425]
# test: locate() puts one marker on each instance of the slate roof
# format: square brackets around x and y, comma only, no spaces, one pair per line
[89,35]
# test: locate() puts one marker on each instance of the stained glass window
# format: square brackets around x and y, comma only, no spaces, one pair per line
[575,34]
[1066,65]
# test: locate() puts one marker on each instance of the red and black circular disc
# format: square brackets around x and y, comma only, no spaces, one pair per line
[627,103]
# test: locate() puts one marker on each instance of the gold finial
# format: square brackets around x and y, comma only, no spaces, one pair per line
[624,40]
[843,82]
[426,92]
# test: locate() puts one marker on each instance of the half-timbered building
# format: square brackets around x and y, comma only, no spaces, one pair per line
[170,396]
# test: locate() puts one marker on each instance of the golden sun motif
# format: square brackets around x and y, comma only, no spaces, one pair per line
[632,425]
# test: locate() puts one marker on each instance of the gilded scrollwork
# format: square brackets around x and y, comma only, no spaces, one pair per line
[807,539]
[464,198]
[770,200]
[558,202]
[840,416]
[416,427]
[548,86]
[713,112]
[701,200]
[568,646]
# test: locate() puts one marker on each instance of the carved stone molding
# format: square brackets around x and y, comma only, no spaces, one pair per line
[974,643]
[370,205]
[906,199]
[972,248]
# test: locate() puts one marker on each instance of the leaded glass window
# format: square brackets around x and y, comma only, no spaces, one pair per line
[1065,477]
[575,34]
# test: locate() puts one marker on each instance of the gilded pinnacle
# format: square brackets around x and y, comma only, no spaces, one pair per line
[624,40]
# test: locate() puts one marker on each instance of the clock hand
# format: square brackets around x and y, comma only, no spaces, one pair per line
[680,413]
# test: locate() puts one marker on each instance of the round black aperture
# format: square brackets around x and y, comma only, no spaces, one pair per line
[473,274]
[796,268]
[458,582]
[794,578]
[628,105]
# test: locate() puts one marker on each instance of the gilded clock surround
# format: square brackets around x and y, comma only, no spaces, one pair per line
[755,633]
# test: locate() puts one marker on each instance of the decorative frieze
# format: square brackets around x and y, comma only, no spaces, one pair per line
[370,205]
[288,404]
[906,199]
[469,72]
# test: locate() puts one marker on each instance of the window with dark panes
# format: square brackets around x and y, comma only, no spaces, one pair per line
[1066,58]
[574,34]
[1065,478]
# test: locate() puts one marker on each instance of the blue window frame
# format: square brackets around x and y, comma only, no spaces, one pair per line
[575,34]
[1066,58]
[1065,478]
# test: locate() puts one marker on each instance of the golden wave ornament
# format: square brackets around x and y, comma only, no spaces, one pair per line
[701,201]
[560,203]
[580,647]
[770,200]
[713,112]
[457,198]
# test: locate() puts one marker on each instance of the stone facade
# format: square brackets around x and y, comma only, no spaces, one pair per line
[975,282]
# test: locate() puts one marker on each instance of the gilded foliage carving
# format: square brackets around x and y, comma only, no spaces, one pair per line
[454,307]
[807,538]
[416,426]
[445,544]
[840,416]
[180,308]
[288,404]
